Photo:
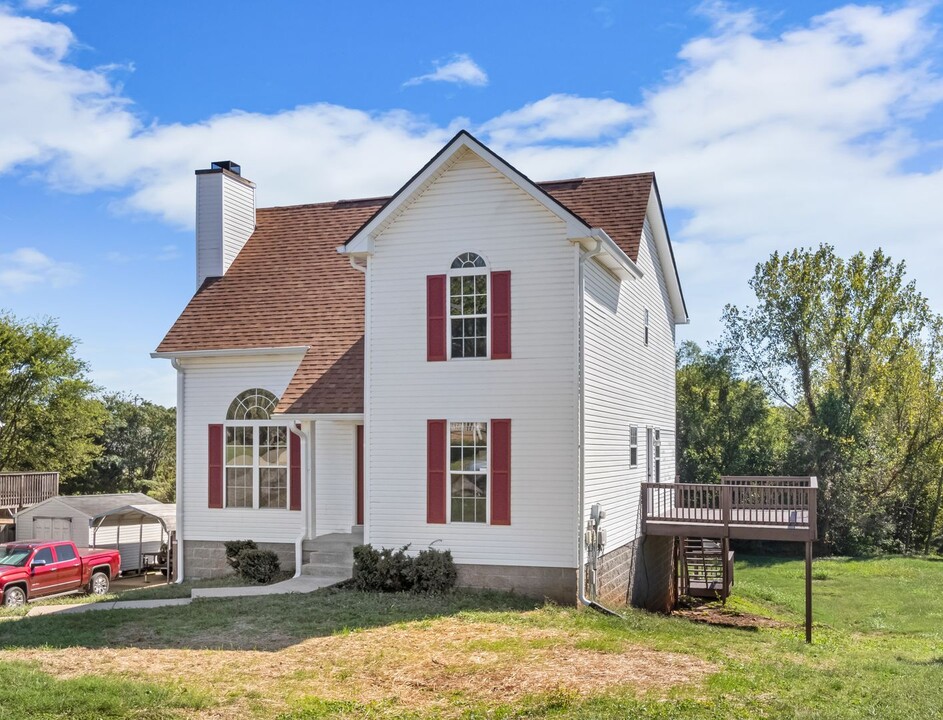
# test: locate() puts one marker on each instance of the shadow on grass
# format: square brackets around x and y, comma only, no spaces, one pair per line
[256,623]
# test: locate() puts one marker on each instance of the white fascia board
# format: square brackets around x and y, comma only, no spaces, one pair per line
[362,242]
[656,218]
[320,417]
[612,257]
[234,352]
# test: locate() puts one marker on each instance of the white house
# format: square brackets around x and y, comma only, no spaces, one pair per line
[474,362]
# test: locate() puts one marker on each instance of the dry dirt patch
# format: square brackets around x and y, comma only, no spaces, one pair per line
[712,615]
[419,665]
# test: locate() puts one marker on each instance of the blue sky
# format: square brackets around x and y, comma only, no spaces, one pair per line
[769,126]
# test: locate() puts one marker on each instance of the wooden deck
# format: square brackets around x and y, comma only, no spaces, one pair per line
[746,508]
[18,490]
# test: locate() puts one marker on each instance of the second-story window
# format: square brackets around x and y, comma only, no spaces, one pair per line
[468,307]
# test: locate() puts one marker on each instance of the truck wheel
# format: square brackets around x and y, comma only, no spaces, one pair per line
[14,597]
[99,584]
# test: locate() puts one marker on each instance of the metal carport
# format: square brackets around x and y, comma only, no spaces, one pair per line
[140,524]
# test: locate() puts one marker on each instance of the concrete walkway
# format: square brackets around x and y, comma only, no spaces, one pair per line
[115,605]
[301,584]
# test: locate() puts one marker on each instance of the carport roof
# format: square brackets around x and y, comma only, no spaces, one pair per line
[165,514]
[90,505]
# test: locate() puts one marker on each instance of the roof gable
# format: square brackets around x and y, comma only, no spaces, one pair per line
[362,240]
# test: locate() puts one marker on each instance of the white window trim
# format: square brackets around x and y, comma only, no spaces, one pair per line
[633,445]
[256,484]
[464,523]
[464,272]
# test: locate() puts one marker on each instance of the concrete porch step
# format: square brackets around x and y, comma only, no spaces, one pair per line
[331,556]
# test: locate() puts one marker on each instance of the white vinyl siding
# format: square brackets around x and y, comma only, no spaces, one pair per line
[209,387]
[335,477]
[628,383]
[225,218]
[471,207]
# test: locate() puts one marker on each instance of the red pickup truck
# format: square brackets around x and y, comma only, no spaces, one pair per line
[32,569]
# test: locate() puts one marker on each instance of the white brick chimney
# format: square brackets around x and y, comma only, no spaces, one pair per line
[225,217]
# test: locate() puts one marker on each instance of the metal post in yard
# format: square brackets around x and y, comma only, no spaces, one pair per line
[808,591]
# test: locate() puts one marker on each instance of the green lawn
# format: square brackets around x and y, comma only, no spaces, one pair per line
[878,653]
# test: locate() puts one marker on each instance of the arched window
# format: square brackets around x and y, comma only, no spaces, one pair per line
[468,307]
[256,453]
[254,404]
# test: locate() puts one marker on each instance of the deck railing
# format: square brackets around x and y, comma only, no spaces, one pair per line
[769,502]
[17,490]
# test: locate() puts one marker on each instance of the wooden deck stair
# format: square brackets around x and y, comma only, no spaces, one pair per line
[706,568]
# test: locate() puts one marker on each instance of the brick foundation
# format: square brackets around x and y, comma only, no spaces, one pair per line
[207,558]
[557,584]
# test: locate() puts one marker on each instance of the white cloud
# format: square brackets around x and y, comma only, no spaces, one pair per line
[560,118]
[763,141]
[49,6]
[459,69]
[25,268]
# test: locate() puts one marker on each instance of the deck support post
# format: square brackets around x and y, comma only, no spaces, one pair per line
[808,591]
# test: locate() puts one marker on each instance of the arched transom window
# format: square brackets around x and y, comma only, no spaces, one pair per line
[468,307]
[254,404]
[256,453]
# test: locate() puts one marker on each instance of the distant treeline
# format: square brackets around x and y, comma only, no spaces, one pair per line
[55,419]
[834,372]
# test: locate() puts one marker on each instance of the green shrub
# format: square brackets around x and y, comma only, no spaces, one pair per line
[234,547]
[385,570]
[433,572]
[389,570]
[259,566]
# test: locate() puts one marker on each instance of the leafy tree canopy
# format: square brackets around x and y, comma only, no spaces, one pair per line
[50,415]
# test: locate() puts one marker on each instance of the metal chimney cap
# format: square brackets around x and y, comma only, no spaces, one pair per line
[229,165]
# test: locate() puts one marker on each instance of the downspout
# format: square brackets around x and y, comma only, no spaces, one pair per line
[181,386]
[581,480]
[297,430]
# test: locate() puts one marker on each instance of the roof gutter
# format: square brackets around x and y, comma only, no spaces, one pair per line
[232,352]
[581,475]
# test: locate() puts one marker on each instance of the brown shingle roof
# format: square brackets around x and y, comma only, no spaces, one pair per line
[616,204]
[290,287]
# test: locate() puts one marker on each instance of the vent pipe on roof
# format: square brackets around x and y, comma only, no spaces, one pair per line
[225,217]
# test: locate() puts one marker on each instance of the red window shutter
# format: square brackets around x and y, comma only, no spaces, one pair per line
[294,471]
[501,315]
[215,448]
[436,464]
[436,317]
[500,472]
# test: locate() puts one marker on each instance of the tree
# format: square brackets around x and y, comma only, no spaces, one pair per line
[138,445]
[726,425]
[852,350]
[47,405]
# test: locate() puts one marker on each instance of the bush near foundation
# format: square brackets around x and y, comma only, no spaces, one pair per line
[392,570]
[234,547]
[261,566]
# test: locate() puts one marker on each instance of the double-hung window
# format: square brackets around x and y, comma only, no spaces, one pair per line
[256,459]
[468,471]
[468,307]
[633,446]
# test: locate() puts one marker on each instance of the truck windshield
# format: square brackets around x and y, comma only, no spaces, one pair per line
[15,556]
